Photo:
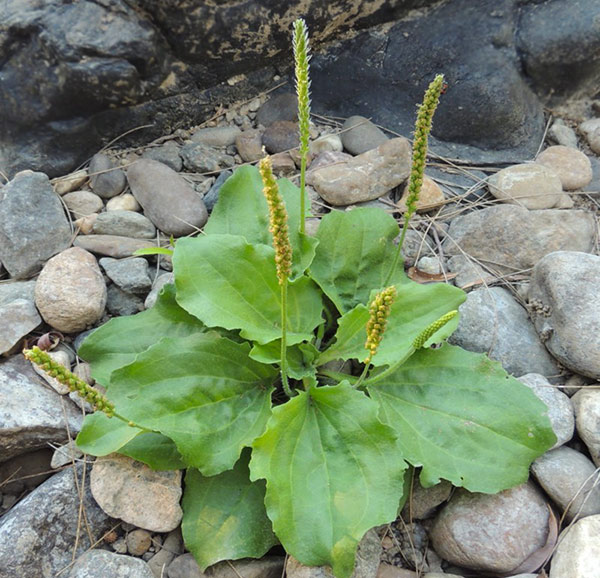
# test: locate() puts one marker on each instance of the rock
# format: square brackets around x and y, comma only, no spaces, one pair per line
[63,359]
[216,136]
[365,177]
[249,145]
[65,454]
[573,167]
[211,198]
[329,158]
[39,536]
[468,272]
[70,182]
[202,158]
[31,414]
[586,403]
[568,478]
[112,245]
[131,491]
[168,201]
[186,567]
[172,546]
[130,275]
[389,571]
[138,542]
[491,533]
[100,564]
[423,502]
[281,136]
[124,202]
[157,285]
[125,224]
[513,238]
[283,164]
[430,197]
[19,317]
[121,302]
[565,306]
[83,203]
[106,180]
[25,472]
[560,407]
[562,134]
[85,224]
[279,107]
[577,554]
[327,143]
[591,131]
[16,290]
[492,322]
[360,135]
[529,185]
[167,154]
[429,265]
[33,224]
[70,292]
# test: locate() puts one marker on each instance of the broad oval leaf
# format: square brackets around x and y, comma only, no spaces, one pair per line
[242,210]
[203,392]
[226,282]
[333,471]
[416,306]
[119,341]
[355,254]
[460,416]
[224,516]
[101,435]
[300,357]
[155,450]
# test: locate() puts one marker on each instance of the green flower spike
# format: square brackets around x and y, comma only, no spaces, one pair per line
[301,59]
[74,383]
[379,311]
[422,338]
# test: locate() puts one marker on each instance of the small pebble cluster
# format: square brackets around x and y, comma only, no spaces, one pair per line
[521,240]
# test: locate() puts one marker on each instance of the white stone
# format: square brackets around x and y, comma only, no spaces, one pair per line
[572,166]
[586,403]
[126,202]
[70,182]
[591,131]
[578,551]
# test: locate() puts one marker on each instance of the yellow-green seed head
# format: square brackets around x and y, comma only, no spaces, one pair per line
[430,330]
[279,221]
[379,311]
[74,383]
[301,60]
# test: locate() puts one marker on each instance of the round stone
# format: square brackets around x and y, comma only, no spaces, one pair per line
[124,202]
[83,203]
[572,166]
[430,197]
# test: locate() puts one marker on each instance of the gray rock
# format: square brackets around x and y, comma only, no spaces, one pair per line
[70,292]
[279,107]
[513,238]
[216,136]
[562,134]
[249,145]
[101,564]
[416,245]
[131,491]
[491,533]
[360,135]
[31,414]
[106,180]
[119,302]
[565,305]
[491,321]
[168,201]
[425,501]
[157,285]
[560,406]
[130,275]
[125,224]
[83,203]
[39,535]
[17,319]
[16,290]
[202,158]
[211,198]
[577,554]
[172,546]
[365,177]
[33,224]
[281,136]
[586,403]
[167,154]
[468,272]
[65,454]
[568,478]
[186,567]
[591,131]
[112,245]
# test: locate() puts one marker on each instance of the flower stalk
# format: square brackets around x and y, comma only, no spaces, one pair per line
[278,219]
[301,60]
[419,157]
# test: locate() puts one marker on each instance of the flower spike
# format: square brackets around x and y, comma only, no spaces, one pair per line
[379,311]
[422,338]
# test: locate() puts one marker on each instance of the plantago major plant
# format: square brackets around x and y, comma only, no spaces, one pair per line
[237,375]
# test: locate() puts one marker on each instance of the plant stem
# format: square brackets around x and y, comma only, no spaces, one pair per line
[389,370]
[398,251]
[284,379]
[362,376]
[302,193]
[337,375]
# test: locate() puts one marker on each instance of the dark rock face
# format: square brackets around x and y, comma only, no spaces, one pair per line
[78,74]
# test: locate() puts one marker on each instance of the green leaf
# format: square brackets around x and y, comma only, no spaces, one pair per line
[333,471]
[118,342]
[415,308]
[155,450]
[101,435]
[203,392]
[300,357]
[154,251]
[355,254]
[226,282]
[242,210]
[460,416]
[224,516]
